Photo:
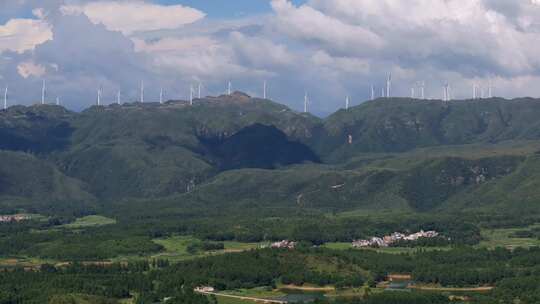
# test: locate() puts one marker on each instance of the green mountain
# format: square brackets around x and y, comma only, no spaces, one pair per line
[30,184]
[397,154]
[37,129]
[402,124]
[153,150]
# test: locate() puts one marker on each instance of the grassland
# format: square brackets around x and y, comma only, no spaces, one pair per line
[283,290]
[21,261]
[493,238]
[390,250]
[227,300]
[261,292]
[176,248]
[90,221]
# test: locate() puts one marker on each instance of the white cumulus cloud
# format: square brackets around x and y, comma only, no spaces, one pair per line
[20,35]
[328,48]
[29,68]
[132,16]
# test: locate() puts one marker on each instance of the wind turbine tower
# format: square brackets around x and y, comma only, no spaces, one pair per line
[474,91]
[99,96]
[229,88]
[372,92]
[142,91]
[446,92]
[306,101]
[161,95]
[388,85]
[422,89]
[43,92]
[6,98]
[264,90]
[199,88]
[412,93]
[118,97]
[347,101]
[191,95]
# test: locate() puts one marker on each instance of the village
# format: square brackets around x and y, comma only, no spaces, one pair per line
[388,240]
[285,244]
[385,241]
[13,218]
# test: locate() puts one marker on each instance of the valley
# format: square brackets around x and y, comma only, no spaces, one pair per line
[133,194]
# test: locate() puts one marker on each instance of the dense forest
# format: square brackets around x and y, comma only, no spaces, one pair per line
[50,239]
[513,273]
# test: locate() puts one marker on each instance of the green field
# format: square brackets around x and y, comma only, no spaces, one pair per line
[226,300]
[264,293]
[176,247]
[22,261]
[261,292]
[493,238]
[90,221]
[391,250]
[338,246]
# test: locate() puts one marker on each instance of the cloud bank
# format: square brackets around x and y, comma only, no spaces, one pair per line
[329,48]
[133,16]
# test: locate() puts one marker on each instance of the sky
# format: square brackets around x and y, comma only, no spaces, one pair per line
[328,49]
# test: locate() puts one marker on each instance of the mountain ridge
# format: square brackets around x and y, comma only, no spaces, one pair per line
[158,150]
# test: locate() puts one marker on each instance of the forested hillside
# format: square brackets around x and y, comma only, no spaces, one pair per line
[399,154]
[402,124]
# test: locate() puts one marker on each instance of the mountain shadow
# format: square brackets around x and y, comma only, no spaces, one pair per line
[259,146]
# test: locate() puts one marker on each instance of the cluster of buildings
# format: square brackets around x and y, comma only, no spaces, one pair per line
[285,244]
[388,240]
[204,289]
[13,218]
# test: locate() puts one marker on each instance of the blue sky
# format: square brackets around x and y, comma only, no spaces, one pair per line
[331,49]
[228,8]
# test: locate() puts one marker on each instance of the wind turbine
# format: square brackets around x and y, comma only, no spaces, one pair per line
[161,95]
[446,92]
[118,97]
[142,91]
[190,94]
[99,96]
[229,88]
[372,93]
[347,101]
[412,93]
[422,89]
[306,101]
[474,91]
[43,92]
[388,85]
[6,98]
[264,90]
